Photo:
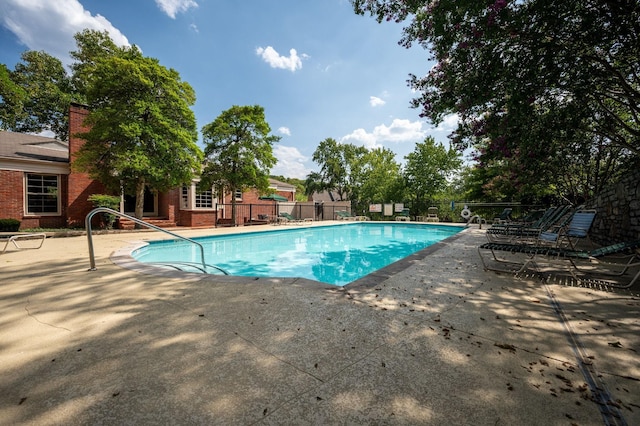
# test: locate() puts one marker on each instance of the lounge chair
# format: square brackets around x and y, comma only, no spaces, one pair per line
[504,217]
[432,215]
[344,215]
[403,215]
[14,238]
[287,219]
[604,259]
[577,228]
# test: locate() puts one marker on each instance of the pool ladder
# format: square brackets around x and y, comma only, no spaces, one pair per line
[181,266]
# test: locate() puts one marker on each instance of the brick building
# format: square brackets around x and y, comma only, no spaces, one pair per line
[41,189]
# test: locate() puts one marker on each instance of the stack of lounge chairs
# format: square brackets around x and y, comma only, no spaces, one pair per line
[612,260]
[529,230]
[553,239]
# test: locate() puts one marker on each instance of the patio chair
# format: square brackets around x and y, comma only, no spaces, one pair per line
[432,215]
[602,261]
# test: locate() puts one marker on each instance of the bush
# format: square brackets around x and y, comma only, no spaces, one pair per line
[109,201]
[9,225]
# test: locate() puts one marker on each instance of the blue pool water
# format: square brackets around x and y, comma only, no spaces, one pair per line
[336,254]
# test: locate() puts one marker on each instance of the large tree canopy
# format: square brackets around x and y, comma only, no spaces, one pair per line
[239,151]
[527,79]
[142,130]
[428,170]
[35,96]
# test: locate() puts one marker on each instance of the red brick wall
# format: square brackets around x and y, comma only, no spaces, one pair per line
[81,186]
[168,204]
[11,194]
[197,218]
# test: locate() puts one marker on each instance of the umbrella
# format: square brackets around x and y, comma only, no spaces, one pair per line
[274,197]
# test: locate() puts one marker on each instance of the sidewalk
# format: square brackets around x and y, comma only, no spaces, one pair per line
[440,342]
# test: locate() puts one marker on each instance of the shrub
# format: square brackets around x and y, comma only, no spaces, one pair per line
[109,201]
[9,225]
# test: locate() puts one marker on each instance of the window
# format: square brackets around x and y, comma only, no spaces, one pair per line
[204,199]
[184,197]
[238,194]
[42,194]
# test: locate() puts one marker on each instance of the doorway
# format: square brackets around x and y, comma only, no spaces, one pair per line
[150,207]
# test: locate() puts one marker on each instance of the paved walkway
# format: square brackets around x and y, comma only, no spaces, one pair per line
[439,342]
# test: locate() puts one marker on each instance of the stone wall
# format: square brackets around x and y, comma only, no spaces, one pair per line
[618,212]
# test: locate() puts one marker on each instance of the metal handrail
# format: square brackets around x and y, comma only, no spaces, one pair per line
[87,222]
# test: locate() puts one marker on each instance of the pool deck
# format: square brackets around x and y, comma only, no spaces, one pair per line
[435,340]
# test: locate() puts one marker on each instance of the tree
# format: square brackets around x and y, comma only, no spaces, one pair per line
[526,79]
[375,177]
[92,46]
[428,170]
[239,151]
[12,99]
[335,161]
[36,95]
[142,130]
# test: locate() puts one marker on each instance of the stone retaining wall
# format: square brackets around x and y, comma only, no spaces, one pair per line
[618,212]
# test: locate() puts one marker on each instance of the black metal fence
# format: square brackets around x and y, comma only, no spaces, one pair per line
[257,214]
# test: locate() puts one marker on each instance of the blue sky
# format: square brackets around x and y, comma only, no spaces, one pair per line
[317,68]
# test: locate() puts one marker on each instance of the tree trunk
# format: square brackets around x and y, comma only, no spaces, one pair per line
[139,211]
[233,206]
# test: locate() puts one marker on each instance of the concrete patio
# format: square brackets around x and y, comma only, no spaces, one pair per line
[435,340]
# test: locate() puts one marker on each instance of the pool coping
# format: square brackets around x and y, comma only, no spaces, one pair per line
[123,258]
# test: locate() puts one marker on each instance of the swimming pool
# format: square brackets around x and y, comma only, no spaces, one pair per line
[337,254]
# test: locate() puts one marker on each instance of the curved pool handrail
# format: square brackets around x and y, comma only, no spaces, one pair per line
[179,265]
[93,212]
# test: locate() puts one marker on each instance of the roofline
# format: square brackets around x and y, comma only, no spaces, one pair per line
[34,166]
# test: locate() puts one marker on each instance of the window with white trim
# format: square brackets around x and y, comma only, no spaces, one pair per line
[203,198]
[238,194]
[42,194]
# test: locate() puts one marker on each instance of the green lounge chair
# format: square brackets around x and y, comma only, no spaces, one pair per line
[288,219]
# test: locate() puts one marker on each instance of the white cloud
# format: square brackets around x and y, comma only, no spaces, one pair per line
[375,101]
[449,124]
[292,63]
[51,25]
[173,7]
[285,131]
[290,162]
[399,131]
